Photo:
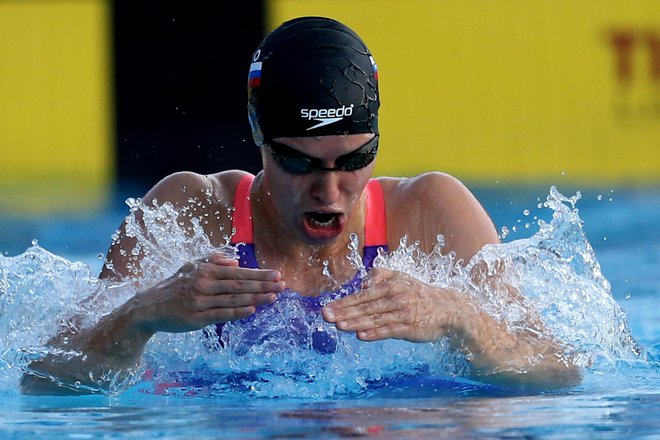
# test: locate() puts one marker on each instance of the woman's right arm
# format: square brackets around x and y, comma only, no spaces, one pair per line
[201,293]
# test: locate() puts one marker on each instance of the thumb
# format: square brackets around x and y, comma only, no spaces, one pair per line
[222,259]
[376,276]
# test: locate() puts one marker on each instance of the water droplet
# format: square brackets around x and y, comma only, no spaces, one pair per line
[628,296]
[526,212]
[599,197]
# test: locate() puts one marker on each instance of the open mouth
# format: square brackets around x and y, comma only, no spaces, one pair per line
[322,219]
[323,225]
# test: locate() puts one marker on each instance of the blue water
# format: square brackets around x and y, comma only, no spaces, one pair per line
[380,395]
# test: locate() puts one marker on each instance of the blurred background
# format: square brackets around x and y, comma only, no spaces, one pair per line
[100,99]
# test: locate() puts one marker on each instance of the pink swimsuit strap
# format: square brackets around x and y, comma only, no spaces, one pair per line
[375,228]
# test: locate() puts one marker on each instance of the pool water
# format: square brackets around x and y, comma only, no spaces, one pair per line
[619,397]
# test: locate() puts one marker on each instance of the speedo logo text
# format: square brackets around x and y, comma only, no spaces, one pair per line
[325,116]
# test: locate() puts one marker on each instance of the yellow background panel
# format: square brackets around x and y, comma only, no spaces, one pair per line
[510,90]
[55,110]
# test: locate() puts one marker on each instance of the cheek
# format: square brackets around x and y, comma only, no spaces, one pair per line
[284,188]
[353,184]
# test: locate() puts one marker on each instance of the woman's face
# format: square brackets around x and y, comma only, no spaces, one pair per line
[316,206]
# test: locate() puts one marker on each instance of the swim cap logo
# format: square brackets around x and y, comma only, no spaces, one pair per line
[325,116]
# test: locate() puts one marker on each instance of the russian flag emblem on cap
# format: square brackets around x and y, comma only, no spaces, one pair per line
[373,63]
[254,77]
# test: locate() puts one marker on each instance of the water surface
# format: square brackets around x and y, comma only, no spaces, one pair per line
[591,266]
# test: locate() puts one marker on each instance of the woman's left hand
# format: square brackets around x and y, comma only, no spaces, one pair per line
[396,305]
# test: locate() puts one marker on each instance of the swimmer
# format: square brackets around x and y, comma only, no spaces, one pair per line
[313,102]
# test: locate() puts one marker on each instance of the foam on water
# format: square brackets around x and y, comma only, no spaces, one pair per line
[556,271]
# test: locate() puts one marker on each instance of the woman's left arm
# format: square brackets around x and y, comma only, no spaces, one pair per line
[395,305]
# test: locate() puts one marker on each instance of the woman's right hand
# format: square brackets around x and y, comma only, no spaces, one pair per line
[205,292]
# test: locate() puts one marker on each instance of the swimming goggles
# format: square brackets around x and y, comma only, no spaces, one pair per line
[294,162]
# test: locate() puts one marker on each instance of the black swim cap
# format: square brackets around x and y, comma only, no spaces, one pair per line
[312,76]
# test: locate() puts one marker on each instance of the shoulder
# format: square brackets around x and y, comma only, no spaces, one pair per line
[433,203]
[425,186]
[206,198]
[430,193]
[184,187]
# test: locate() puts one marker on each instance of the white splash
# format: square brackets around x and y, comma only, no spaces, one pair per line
[274,355]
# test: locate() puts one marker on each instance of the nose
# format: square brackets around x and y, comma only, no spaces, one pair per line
[325,187]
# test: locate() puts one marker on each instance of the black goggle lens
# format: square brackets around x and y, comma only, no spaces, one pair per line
[294,162]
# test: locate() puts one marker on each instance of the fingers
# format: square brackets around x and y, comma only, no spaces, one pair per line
[375,313]
[214,279]
[394,305]
[374,320]
[205,302]
[378,299]
[221,259]
[217,258]
[229,286]
[375,286]
[376,276]
[221,268]
[356,299]
[215,289]
[390,326]
[240,273]
[390,331]
[373,310]
[232,287]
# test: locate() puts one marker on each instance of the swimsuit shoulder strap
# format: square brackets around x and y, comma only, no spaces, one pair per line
[241,221]
[375,228]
